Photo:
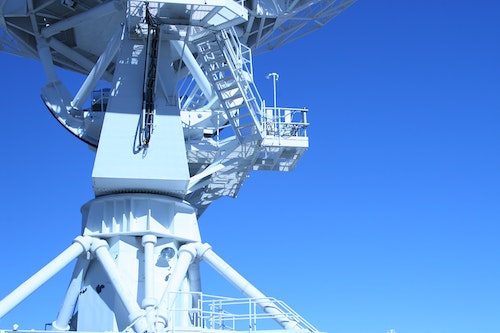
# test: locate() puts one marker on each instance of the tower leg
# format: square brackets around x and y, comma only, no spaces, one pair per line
[135,314]
[71,298]
[149,301]
[186,256]
[80,244]
[231,275]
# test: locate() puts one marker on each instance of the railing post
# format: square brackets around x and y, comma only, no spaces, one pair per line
[304,121]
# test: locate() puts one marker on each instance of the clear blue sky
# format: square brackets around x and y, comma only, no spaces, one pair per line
[390,221]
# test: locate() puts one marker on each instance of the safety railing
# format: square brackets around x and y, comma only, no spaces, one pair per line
[284,122]
[236,314]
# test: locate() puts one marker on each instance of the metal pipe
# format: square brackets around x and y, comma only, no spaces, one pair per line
[247,288]
[98,70]
[46,60]
[187,253]
[80,244]
[195,288]
[70,53]
[149,301]
[211,169]
[149,241]
[135,313]
[76,57]
[276,114]
[75,20]
[194,277]
[194,68]
[69,303]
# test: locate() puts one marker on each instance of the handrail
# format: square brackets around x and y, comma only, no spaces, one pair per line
[284,122]
[237,314]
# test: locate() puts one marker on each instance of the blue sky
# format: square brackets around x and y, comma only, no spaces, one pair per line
[390,220]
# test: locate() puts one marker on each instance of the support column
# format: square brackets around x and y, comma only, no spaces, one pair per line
[69,303]
[98,70]
[187,253]
[135,314]
[247,288]
[149,301]
[80,244]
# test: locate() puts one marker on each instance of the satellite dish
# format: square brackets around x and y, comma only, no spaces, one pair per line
[178,125]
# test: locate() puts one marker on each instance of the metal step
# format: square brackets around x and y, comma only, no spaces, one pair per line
[223,67]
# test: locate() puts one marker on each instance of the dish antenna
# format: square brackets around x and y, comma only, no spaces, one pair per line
[180,125]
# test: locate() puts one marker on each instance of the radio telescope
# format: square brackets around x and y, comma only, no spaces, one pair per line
[179,125]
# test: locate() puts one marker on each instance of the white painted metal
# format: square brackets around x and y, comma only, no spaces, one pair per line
[78,19]
[149,241]
[68,307]
[121,164]
[248,289]
[185,257]
[135,314]
[149,301]
[188,58]
[80,244]
[97,71]
[140,214]
[181,125]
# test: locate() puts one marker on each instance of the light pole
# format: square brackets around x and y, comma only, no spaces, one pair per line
[275,77]
[276,118]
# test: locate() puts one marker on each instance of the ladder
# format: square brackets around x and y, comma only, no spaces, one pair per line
[227,70]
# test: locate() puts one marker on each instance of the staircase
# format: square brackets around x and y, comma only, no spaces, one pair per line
[227,66]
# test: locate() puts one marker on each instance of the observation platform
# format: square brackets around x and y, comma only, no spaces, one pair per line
[284,138]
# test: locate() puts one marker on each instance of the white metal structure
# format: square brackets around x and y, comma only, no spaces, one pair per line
[181,125]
